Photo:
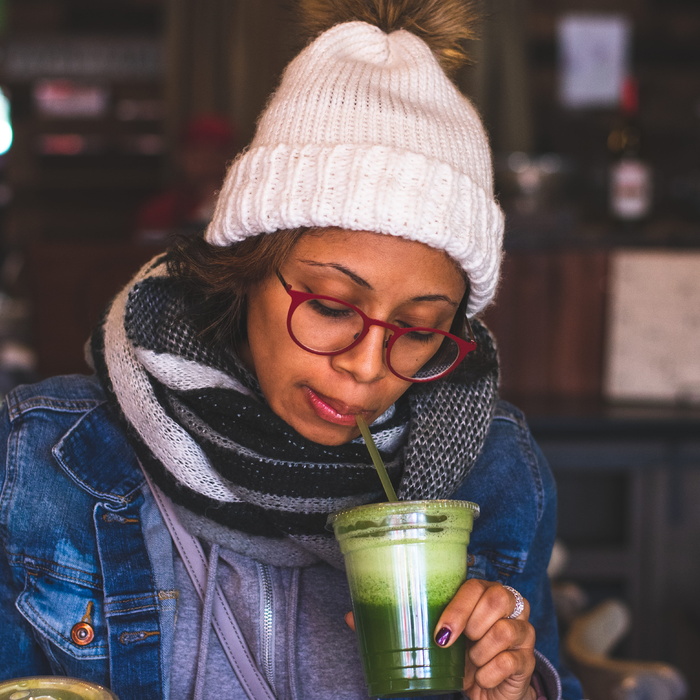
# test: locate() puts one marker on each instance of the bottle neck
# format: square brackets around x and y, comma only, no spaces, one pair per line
[624,139]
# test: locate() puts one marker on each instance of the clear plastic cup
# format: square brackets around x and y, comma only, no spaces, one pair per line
[404,563]
[53,688]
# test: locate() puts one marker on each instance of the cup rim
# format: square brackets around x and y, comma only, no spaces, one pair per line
[403,507]
[56,683]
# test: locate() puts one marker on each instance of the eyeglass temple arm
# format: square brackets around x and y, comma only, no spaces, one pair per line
[470,332]
[282,280]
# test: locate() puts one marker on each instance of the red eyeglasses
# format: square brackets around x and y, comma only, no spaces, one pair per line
[324,325]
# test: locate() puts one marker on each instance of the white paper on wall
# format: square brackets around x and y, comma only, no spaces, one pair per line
[653,345]
[594,51]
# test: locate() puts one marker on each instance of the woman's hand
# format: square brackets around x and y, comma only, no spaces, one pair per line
[501,651]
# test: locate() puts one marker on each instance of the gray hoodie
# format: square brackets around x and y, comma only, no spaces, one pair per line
[292,619]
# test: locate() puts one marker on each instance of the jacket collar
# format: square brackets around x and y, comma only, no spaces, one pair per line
[96,454]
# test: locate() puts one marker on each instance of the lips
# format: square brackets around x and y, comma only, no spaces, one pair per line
[332,410]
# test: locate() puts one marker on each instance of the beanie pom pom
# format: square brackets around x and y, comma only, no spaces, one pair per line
[443,24]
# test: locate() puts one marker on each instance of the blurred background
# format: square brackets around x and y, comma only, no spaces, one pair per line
[117,118]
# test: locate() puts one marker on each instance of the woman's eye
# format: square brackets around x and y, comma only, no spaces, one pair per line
[421,336]
[329,309]
[417,336]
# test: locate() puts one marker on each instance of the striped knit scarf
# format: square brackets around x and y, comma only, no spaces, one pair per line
[241,476]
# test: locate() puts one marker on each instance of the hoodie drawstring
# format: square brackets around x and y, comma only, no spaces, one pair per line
[205,632]
[292,624]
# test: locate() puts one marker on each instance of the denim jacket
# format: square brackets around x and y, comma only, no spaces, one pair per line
[82,541]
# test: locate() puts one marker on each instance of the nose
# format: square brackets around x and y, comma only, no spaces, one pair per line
[365,362]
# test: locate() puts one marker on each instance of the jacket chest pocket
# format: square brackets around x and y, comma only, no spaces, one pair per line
[492,565]
[69,623]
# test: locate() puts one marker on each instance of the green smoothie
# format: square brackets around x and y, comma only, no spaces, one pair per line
[405,562]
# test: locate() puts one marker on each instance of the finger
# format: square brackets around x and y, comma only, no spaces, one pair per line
[476,606]
[469,670]
[350,620]
[505,635]
[505,655]
[495,604]
[514,666]
[456,614]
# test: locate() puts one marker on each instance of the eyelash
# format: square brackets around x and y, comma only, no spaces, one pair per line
[328,311]
[421,337]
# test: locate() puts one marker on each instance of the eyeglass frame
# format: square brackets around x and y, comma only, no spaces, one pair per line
[297,298]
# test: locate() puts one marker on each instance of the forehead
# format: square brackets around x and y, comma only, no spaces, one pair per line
[376,253]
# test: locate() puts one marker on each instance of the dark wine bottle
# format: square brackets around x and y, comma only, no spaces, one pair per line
[630,175]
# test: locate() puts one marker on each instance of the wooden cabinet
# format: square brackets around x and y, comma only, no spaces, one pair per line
[549,322]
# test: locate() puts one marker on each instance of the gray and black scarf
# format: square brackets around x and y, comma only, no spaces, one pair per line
[241,476]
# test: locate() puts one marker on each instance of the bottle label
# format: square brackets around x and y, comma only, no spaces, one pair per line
[630,189]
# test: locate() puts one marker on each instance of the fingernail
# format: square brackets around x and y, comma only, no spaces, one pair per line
[443,636]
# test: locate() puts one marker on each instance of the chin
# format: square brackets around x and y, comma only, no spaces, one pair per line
[331,437]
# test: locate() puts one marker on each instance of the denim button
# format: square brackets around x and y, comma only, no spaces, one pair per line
[82,633]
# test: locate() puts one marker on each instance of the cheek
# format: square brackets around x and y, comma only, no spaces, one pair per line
[276,359]
[266,327]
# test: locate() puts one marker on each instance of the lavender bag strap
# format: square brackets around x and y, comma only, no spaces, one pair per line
[224,623]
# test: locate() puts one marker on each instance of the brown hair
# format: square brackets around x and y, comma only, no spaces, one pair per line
[218,278]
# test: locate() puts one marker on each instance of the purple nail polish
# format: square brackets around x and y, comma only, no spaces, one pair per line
[443,636]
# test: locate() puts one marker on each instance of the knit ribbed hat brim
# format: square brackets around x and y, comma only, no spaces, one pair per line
[365,188]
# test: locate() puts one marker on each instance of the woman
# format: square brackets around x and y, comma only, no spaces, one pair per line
[350,245]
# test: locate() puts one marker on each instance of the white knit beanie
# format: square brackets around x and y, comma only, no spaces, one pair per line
[366,132]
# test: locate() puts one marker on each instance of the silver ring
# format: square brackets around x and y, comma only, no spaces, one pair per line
[519,603]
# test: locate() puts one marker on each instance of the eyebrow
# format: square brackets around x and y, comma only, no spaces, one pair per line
[364,283]
[341,268]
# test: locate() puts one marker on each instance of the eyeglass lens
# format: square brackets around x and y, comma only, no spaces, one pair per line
[326,326]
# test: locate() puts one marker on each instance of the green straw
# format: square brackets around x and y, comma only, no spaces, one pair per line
[376,458]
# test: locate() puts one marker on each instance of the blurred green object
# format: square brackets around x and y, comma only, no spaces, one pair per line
[53,688]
